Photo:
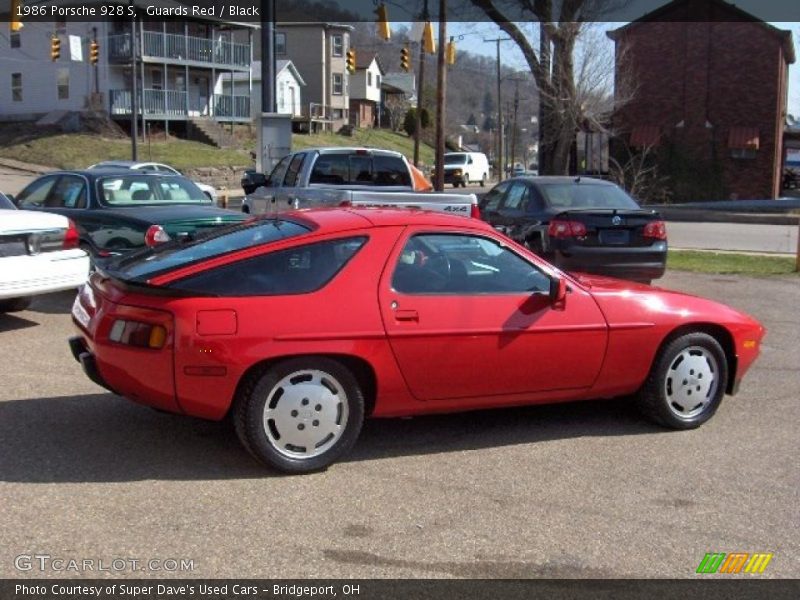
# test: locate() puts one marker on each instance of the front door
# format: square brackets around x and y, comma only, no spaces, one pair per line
[467,317]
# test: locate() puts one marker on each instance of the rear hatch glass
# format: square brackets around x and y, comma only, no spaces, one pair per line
[144,264]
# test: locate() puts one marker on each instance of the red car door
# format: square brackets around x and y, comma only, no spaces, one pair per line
[468,316]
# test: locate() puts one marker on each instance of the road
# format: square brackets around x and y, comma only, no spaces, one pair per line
[581,490]
[708,236]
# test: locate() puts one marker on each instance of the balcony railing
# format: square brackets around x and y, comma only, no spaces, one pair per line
[173,103]
[237,107]
[181,48]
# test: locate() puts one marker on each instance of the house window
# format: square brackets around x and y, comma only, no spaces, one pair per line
[377,80]
[158,81]
[337,45]
[180,83]
[280,44]
[62,83]
[369,78]
[744,152]
[16,87]
[337,114]
[338,84]
[743,142]
[14,40]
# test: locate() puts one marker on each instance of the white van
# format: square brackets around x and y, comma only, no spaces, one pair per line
[466,167]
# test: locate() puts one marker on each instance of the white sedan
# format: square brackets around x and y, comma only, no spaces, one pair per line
[153,167]
[39,254]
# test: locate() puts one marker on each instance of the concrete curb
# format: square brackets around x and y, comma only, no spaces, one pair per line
[18,165]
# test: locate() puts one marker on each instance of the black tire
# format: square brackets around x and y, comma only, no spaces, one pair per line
[534,244]
[15,304]
[692,364]
[295,391]
[483,180]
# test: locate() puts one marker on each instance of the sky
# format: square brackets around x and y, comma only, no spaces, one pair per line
[470,36]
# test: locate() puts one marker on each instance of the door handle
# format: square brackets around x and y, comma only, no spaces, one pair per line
[406,315]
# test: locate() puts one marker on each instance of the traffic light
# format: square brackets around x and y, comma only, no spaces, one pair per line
[350,60]
[55,48]
[450,53]
[15,24]
[405,59]
[428,42]
[384,31]
[94,52]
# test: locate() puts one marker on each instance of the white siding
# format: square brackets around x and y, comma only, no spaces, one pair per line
[360,89]
[40,73]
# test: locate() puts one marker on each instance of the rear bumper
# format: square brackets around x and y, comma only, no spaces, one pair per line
[646,262]
[452,178]
[43,273]
[81,353]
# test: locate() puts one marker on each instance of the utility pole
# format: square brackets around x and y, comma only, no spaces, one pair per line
[514,126]
[420,83]
[441,95]
[268,57]
[134,94]
[500,165]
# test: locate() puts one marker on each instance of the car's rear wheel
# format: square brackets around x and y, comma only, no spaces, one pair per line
[686,383]
[301,414]
[15,304]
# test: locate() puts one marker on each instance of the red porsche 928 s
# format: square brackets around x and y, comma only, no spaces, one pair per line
[302,325]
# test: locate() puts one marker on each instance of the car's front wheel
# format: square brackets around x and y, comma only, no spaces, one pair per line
[686,383]
[300,415]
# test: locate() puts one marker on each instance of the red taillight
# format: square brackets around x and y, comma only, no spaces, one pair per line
[656,230]
[155,235]
[133,333]
[475,211]
[564,229]
[71,239]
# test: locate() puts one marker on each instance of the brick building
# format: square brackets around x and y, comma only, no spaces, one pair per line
[704,85]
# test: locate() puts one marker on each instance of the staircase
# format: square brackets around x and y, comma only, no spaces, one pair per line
[210,132]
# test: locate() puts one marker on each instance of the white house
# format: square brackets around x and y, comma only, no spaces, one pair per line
[365,90]
[288,82]
[178,72]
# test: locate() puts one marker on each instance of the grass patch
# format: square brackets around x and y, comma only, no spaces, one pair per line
[729,263]
[77,151]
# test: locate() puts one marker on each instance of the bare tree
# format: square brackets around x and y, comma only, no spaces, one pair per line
[639,174]
[571,94]
[397,106]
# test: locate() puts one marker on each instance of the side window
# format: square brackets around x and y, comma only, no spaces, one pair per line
[495,195]
[464,264]
[297,270]
[294,170]
[278,173]
[517,197]
[69,192]
[36,193]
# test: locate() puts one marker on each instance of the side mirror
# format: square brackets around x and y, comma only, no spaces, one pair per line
[558,291]
[258,179]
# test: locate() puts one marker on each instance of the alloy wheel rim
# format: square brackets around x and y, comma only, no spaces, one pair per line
[691,382]
[305,414]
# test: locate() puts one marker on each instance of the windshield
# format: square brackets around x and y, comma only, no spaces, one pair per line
[140,188]
[572,195]
[180,253]
[455,159]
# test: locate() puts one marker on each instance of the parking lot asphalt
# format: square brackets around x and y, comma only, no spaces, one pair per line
[573,490]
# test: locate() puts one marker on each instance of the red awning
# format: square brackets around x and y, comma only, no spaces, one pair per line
[743,137]
[645,136]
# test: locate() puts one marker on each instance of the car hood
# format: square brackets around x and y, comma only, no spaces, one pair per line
[25,221]
[629,303]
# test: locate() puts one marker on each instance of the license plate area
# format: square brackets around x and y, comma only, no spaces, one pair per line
[13,247]
[614,237]
[80,314]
